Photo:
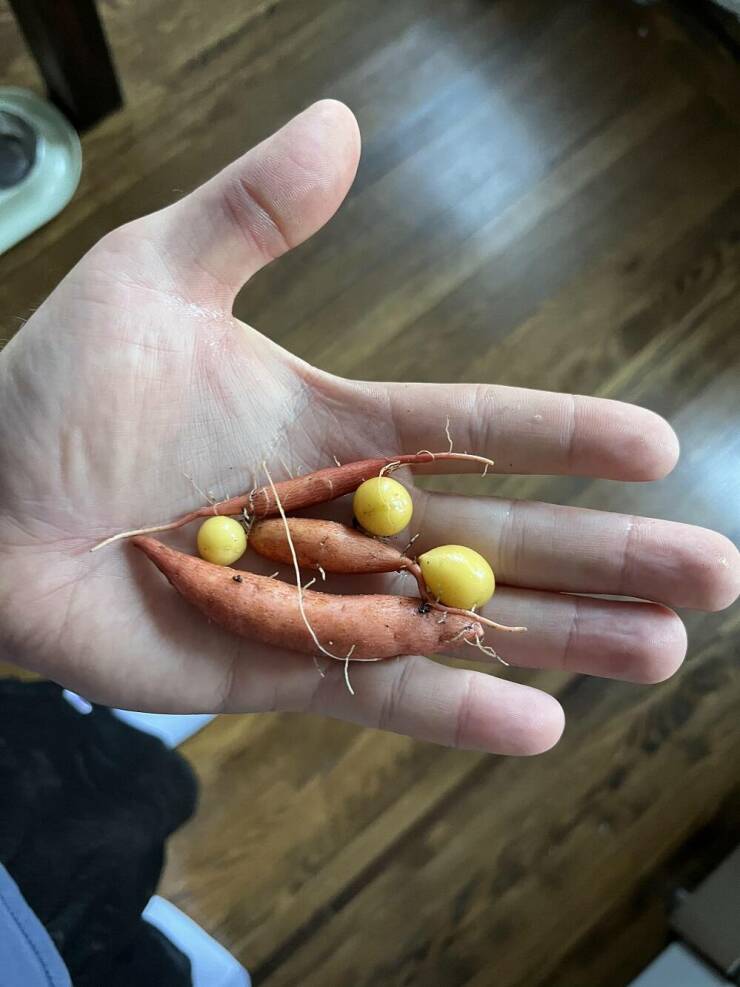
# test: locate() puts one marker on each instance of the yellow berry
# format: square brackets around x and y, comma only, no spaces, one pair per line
[221,540]
[382,506]
[457,576]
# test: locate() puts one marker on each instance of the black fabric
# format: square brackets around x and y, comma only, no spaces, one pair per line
[150,959]
[86,805]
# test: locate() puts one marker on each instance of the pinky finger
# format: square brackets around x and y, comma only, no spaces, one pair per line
[449,706]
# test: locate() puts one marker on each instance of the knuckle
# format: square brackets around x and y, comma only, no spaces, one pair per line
[256,218]
[464,709]
[391,706]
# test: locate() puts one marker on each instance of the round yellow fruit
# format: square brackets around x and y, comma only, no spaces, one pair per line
[221,540]
[457,576]
[383,506]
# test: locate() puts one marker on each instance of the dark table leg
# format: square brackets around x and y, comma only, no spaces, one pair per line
[68,43]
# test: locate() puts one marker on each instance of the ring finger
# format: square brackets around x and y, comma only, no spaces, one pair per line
[636,642]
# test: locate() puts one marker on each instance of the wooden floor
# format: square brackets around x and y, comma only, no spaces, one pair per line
[549,196]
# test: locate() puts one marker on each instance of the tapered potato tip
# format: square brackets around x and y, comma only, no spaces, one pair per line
[159,553]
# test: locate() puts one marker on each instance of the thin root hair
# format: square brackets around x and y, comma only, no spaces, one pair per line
[487,650]
[294,556]
[447,432]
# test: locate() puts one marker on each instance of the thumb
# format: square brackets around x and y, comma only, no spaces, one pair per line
[269,200]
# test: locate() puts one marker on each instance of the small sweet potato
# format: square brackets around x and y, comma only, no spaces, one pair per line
[365,627]
[301,491]
[325,545]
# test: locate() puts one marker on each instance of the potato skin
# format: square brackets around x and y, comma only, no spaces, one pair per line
[267,610]
[301,491]
[318,487]
[330,545]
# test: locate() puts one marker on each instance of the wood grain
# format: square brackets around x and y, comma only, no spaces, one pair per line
[625,940]
[549,196]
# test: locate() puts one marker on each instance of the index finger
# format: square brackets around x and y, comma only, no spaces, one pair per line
[527,431]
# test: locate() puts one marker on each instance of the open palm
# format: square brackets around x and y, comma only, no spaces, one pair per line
[133,384]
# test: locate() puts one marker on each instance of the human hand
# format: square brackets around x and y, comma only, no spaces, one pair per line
[134,374]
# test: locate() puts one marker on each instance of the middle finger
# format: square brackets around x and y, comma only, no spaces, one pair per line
[570,549]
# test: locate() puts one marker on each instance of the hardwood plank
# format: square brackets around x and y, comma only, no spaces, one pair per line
[488,303]
[388,785]
[704,40]
[416,176]
[443,261]
[625,942]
